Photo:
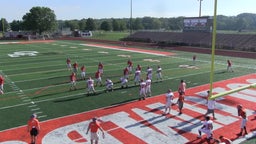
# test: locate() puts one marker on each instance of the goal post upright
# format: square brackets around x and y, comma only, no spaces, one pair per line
[213,46]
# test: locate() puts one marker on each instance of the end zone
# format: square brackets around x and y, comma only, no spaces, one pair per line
[143,122]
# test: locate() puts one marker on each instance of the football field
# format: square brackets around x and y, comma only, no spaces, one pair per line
[37,81]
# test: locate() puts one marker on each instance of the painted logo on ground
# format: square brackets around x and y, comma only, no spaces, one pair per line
[23,53]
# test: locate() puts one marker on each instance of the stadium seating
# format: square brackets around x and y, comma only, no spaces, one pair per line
[244,42]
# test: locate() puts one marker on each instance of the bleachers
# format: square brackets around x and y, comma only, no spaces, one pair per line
[246,42]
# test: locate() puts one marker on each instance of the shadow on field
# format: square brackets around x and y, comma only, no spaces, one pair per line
[220,72]
[121,103]
[69,99]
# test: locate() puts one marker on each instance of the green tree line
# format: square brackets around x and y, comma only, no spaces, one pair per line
[43,19]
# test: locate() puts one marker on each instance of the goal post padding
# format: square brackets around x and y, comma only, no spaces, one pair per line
[233,91]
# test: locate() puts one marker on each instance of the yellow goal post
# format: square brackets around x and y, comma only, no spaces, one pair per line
[233,91]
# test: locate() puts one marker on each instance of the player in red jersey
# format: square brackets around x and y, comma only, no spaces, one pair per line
[98,78]
[126,73]
[72,81]
[180,102]
[94,126]
[194,59]
[83,73]
[182,87]
[33,128]
[1,84]
[75,67]
[241,112]
[229,67]
[130,65]
[138,67]
[100,67]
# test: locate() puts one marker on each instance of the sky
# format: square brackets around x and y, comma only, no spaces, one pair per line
[98,9]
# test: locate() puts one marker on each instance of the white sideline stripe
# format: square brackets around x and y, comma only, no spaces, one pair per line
[42,116]
[23,97]
[38,112]
[26,100]
[30,106]
[35,109]
[109,47]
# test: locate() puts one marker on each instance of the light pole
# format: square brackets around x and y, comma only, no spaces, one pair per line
[131,18]
[200,6]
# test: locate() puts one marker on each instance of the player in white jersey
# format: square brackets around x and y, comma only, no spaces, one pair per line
[124,82]
[90,86]
[206,128]
[159,73]
[109,85]
[168,101]
[210,107]
[148,87]
[149,72]
[142,90]
[137,76]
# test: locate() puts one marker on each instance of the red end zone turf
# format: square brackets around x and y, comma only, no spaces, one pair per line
[142,122]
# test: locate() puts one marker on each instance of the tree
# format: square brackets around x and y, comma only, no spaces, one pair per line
[105,25]
[4,26]
[16,25]
[137,24]
[40,19]
[115,25]
[72,24]
[147,22]
[246,21]
[82,24]
[122,25]
[90,24]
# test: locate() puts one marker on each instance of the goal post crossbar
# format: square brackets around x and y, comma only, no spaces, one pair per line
[233,91]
